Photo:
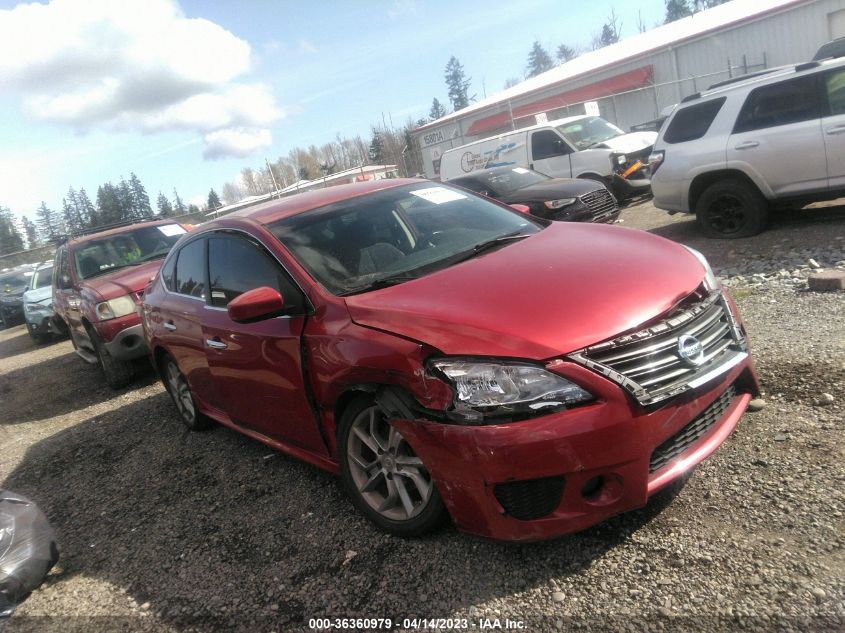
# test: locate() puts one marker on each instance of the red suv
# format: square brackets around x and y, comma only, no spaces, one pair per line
[443,352]
[98,281]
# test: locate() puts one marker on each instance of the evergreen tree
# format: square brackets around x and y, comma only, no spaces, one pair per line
[213,200]
[458,84]
[192,208]
[377,148]
[437,110]
[10,239]
[70,219]
[165,209]
[31,232]
[701,5]
[140,200]
[49,223]
[539,61]
[178,206]
[127,209]
[677,9]
[77,209]
[86,208]
[565,53]
[109,205]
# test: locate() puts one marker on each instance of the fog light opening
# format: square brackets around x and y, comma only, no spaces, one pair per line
[131,341]
[591,490]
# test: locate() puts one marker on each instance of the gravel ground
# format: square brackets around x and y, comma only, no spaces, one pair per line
[164,530]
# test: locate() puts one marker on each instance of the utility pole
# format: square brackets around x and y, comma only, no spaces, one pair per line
[272,176]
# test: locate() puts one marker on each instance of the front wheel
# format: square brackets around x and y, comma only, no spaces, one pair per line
[731,209]
[382,474]
[118,373]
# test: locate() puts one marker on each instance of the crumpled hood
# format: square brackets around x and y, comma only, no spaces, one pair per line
[633,142]
[565,288]
[124,281]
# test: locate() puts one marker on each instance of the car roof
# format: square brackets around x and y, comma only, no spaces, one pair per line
[274,210]
[75,241]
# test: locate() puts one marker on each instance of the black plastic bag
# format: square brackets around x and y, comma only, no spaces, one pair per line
[28,550]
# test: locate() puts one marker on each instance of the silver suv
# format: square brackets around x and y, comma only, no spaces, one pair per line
[731,152]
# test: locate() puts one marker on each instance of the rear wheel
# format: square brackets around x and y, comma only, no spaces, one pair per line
[382,474]
[118,373]
[731,209]
[179,390]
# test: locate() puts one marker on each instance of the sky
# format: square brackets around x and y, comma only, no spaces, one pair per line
[186,94]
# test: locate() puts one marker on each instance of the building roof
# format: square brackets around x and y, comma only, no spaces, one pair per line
[718,18]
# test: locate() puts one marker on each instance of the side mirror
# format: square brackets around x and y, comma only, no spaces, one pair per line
[522,208]
[256,305]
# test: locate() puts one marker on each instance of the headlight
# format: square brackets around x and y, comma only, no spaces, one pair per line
[114,308]
[481,385]
[35,307]
[560,202]
[621,159]
[710,281]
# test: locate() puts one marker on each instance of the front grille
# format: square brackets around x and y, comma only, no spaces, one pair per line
[649,363]
[601,203]
[532,499]
[687,436]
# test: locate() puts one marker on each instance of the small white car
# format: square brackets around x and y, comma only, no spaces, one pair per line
[775,137]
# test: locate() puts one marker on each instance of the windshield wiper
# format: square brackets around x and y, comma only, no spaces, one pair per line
[491,244]
[384,282]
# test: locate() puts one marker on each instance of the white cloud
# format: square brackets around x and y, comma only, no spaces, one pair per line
[131,65]
[235,142]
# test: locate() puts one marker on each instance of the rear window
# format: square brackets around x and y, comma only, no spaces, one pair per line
[692,122]
[782,103]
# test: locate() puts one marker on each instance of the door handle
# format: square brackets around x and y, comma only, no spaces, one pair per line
[215,343]
[836,129]
[747,145]
[169,325]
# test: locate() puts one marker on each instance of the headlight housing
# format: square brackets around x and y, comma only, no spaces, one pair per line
[560,202]
[114,308]
[710,281]
[498,387]
[621,159]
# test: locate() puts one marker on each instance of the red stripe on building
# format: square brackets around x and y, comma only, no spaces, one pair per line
[612,85]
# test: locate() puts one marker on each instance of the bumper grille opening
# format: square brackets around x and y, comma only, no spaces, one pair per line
[692,432]
[601,203]
[532,499]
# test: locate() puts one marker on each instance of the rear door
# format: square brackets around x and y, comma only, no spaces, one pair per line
[181,314]
[66,295]
[778,136]
[833,126]
[257,367]
[550,154]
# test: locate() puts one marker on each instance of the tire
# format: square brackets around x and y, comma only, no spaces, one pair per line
[180,392]
[383,477]
[118,373]
[38,339]
[731,209]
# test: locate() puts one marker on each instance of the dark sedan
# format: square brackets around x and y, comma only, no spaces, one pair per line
[567,199]
[13,284]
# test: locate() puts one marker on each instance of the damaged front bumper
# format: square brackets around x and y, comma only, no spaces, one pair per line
[559,473]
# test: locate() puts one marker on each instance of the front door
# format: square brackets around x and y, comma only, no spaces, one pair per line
[833,127]
[257,367]
[550,154]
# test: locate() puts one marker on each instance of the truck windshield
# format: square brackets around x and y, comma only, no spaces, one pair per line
[395,235]
[589,131]
[100,256]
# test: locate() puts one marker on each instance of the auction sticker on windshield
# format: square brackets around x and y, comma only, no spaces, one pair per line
[172,229]
[438,195]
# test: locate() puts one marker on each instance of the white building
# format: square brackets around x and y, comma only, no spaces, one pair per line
[635,79]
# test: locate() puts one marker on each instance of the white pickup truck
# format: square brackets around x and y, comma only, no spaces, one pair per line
[575,147]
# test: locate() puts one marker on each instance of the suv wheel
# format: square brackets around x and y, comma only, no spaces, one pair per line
[731,209]
[383,476]
[118,373]
[177,386]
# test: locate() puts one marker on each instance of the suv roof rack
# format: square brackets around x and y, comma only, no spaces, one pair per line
[806,66]
[734,80]
[691,97]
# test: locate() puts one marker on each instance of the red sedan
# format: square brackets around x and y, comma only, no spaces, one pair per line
[446,354]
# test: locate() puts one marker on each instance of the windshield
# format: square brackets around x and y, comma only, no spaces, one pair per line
[509,180]
[14,280]
[101,256]
[397,234]
[43,277]
[589,131]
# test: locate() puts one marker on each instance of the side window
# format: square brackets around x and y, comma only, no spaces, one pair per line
[692,122]
[236,265]
[61,267]
[780,104]
[546,143]
[167,273]
[835,90]
[189,278]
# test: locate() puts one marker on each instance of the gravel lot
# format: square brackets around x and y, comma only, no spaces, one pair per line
[165,530]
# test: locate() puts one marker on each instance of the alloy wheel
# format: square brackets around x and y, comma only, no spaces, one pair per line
[388,475]
[180,392]
[727,214]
